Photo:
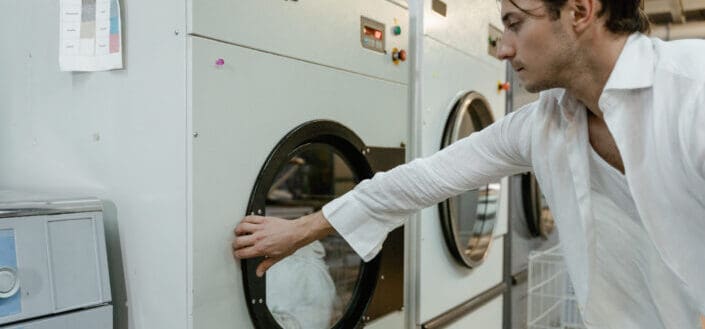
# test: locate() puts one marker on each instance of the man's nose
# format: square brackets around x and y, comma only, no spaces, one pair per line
[505,50]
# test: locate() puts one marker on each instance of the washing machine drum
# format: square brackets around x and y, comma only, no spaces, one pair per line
[325,284]
[468,220]
[539,219]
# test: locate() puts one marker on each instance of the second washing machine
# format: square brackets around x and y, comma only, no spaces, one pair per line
[296,103]
[460,261]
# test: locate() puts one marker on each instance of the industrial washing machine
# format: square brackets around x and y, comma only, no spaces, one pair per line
[181,139]
[460,261]
[296,103]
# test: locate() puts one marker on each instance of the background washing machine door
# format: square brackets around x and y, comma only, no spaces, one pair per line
[468,220]
[538,220]
[325,284]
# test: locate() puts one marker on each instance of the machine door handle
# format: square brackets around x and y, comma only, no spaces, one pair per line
[9,282]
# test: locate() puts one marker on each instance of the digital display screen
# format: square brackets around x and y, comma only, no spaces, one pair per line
[374,33]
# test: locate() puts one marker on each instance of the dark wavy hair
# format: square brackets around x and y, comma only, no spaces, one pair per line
[623,16]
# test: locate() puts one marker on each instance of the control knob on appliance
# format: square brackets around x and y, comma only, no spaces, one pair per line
[503,86]
[398,55]
[9,284]
[396,30]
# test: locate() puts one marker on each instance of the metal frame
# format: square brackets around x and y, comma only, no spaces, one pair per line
[449,136]
[351,148]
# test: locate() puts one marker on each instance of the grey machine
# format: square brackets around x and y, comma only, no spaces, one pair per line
[531,224]
[53,264]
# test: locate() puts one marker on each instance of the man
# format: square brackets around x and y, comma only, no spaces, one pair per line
[616,141]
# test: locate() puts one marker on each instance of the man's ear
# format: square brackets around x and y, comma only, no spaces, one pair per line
[582,13]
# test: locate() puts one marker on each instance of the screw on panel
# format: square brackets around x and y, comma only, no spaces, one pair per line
[195,135]
[260,300]
[253,301]
[382,277]
[259,211]
[176,32]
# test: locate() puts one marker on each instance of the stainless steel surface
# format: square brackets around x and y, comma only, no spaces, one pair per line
[412,229]
[465,308]
[19,204]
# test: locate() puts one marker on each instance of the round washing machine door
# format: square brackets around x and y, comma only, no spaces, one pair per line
[325,284]
[539,219]
[468,220]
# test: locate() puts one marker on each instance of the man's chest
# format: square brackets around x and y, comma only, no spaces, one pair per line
[603,142]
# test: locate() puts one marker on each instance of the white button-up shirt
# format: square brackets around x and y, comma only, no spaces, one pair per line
[654,106]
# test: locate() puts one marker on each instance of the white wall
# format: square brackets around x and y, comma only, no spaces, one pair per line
[118,135]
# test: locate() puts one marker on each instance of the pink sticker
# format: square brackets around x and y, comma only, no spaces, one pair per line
[114,43]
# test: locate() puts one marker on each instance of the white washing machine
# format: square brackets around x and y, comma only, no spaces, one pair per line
[460,259]
[179,143]
[53,263]
[293,103]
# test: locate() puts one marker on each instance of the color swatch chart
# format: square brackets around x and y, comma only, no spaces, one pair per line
[90,37]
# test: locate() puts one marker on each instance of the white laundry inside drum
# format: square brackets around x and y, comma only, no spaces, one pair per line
[313,287]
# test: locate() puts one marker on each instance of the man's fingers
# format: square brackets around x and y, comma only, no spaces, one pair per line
[253,219]
[265,265]
[248,252]
[246,228]
[243,241]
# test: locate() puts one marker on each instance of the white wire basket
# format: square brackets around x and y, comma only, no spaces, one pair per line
[552,303]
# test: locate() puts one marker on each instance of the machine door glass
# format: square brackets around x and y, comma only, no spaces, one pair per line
[538,216]
[468,220]
[324,284]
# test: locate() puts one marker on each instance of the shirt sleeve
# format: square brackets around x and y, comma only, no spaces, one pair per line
[365,215]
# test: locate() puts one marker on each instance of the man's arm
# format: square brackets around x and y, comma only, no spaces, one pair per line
[365,215]
[275,238]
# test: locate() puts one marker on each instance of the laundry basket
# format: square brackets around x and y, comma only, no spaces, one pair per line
[552,303]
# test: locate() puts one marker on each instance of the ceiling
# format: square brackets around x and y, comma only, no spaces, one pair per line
[675,11]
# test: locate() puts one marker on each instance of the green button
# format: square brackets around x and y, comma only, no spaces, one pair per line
[396,30]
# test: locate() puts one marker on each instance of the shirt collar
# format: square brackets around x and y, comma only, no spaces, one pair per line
[633,70]
[635,66]
[567,103]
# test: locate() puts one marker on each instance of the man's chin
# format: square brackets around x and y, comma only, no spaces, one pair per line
[535,87]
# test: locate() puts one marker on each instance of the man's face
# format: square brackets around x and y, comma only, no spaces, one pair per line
[538,47]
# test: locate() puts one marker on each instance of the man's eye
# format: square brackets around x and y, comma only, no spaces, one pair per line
[514,26]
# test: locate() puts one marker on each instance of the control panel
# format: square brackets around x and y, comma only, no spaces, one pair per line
[372,34]
[493,40]
[356,36]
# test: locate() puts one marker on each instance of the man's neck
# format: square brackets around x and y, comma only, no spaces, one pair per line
[593,70]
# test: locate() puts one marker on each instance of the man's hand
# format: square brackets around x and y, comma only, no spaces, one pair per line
[275,238]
